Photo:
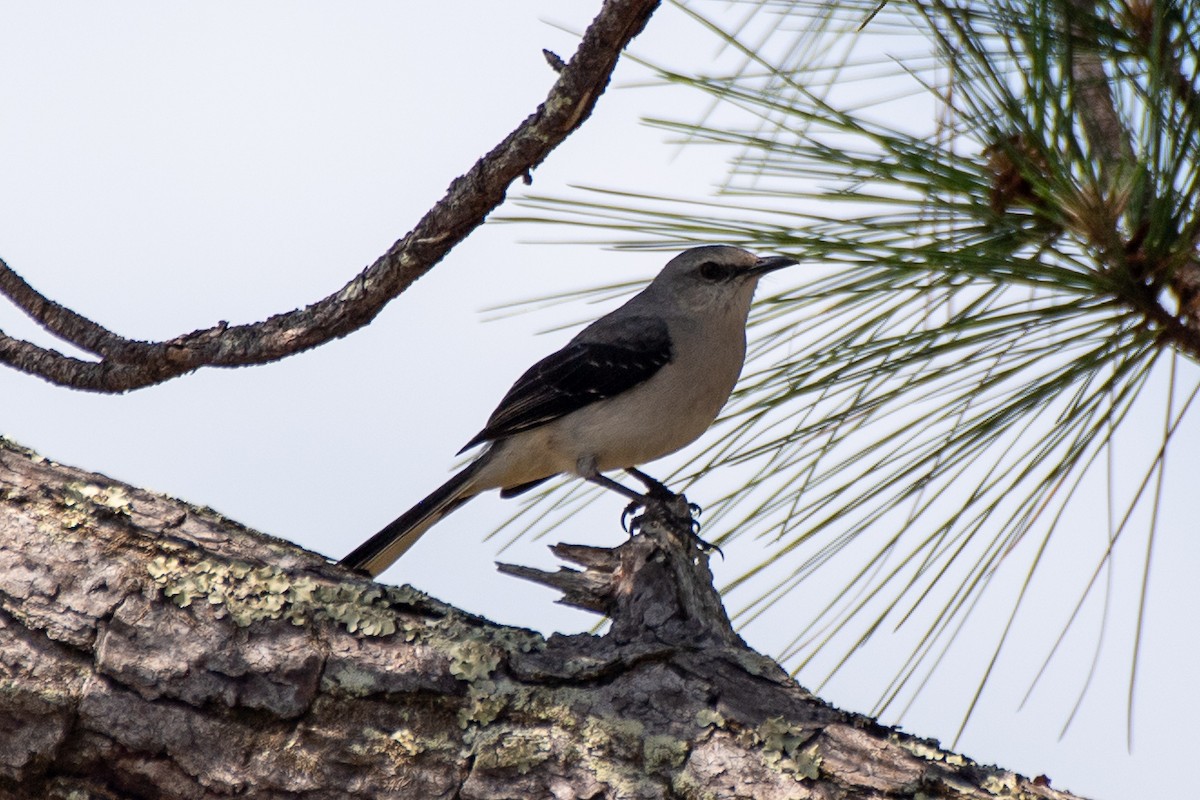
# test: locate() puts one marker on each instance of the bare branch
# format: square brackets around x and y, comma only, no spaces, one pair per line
[127,364]
[62,322]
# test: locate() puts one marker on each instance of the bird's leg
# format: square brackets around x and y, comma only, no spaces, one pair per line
[586,468]
[656,492]
[654,488]
[636,500]
[609,483]
[659,490]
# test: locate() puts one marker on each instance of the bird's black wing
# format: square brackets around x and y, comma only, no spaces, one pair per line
[579,374]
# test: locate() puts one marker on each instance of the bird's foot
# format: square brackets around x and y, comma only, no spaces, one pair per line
[685,523]
[655,490]
[630,518]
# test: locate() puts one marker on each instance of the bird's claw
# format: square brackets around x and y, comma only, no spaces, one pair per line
[630,517]
[704,544]
[628,520]
[631,521]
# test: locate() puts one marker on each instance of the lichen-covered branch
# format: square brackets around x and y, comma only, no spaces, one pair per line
[153,649]
[126,364]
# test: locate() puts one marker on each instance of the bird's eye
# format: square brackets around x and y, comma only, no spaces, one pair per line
[712,271]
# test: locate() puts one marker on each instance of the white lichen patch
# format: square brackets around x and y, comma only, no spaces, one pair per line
[928,750]
[80,500]
[1004,784]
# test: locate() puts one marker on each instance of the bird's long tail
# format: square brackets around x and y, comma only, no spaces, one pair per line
[380,551]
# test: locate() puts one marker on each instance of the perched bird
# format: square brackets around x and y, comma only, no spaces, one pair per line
[640,382]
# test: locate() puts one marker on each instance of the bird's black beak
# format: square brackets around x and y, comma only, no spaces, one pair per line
[771,263]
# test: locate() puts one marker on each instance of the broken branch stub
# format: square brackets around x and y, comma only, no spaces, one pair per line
[656,587]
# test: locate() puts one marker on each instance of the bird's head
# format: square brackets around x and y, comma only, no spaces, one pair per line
[716,277]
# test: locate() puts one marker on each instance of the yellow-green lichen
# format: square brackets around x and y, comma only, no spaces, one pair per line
[487,699]
[402,743]
[709,717]
[484,703]
[554,705]
[520,749]
[620,738]
[784,750]
[246,593]
[663,752]
[518,639]
[473,660]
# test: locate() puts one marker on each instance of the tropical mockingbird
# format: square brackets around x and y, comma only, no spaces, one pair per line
[638,383]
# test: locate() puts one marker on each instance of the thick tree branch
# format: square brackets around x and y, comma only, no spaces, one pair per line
[127,364]
[1109,140]
[152,649]
[1113,147]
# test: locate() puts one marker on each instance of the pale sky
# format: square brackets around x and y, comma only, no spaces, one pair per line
[166,166]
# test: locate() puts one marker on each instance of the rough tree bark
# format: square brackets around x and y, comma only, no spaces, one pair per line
[153,649]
